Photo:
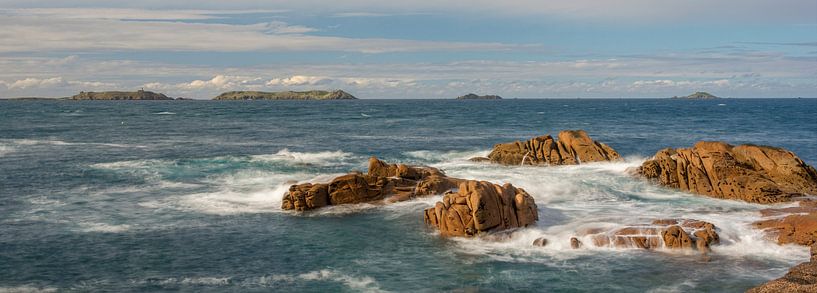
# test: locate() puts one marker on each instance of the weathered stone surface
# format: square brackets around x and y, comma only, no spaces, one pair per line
[758,174]
[665,233]
[572,147]
[480,207]
[801,278]
[382,183]
[796,225]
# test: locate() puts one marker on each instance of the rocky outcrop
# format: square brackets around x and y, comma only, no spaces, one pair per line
[698,96]
[758,174]
[801,278]
[382,182]
[668,234]
[287,95]
[480,207]
[137,95]
[572,147]
[796,225]
[477,97]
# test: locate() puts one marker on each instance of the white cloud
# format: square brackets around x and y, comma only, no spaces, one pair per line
[298,80]
[218,82]
[33,83]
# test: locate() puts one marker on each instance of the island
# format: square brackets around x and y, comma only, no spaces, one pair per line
[698,96]
[476,97]
[287,95]
[116,95]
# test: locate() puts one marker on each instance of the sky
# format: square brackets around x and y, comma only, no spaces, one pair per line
[412,49]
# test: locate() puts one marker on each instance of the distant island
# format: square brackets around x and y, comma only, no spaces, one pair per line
[287,95]
[698,96]
[476,97]
[116,95]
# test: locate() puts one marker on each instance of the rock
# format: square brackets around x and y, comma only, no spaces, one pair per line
[542,241]
[477,97]
[480,159]
[758,174]
[572,147]
[114,95]
[382,183]
[479,207]
[287,95]
[801,278]
[798,227]
[666,233]
[575,243]
[698,96]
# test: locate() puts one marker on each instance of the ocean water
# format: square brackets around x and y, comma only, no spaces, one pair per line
[169,196]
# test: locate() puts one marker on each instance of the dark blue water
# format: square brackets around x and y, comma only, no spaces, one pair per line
[185,195]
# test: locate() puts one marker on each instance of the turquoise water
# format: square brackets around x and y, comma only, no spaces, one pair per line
[168,196]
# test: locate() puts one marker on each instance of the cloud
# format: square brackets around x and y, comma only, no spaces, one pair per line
[298,80]
[33,83]
[631,11]
[60,32]
[218,82]
[52,82]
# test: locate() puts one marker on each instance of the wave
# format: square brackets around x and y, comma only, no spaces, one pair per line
[164,113]
[449,156]
[6,149]
[604,195]
[355,283]
[27,289]
[317,158]
[54,142]
[103,228]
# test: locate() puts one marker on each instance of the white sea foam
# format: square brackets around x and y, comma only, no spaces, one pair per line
[164,113]
[363,284]
[355,283]
[316,158]
[245,192]
[103,228]
[604,195]
[27,289]
[55,142]
[6,149]
[451,156]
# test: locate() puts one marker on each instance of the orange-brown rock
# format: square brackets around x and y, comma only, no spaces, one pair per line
[572,147]
[758,174]
[480,207]
[666,233]
[801,278]
[798,227]
[382,182]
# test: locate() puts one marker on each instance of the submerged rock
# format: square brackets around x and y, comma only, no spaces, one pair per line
[801,278]
[669,234]
[382,182]
[758,174]
[479,207]
[572,147]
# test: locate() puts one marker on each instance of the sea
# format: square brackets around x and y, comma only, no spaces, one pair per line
[135,196]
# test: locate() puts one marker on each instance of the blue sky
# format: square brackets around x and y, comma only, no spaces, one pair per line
[412,49]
